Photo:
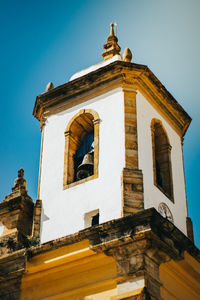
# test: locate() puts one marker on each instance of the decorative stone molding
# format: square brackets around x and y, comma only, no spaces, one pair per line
[115,74]
[43,120]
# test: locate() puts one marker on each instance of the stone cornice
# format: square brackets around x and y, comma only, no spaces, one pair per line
[11,205]
[111,76]
[15,203]
[147,225]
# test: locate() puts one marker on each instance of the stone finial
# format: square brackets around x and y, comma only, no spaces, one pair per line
[111,30]
[49,86]
[111,47]
[127,55]
[20,182]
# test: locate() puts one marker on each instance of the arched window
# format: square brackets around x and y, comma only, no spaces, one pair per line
[162,159]
[81,148]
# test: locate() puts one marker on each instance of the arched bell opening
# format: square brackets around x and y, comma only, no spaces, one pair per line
[81,147]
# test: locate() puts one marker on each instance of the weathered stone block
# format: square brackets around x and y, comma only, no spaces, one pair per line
[132,191]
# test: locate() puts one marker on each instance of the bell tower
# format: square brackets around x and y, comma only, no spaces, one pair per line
[111,146]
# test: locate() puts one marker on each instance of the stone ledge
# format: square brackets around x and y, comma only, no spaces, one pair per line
[146,224]
[139,243]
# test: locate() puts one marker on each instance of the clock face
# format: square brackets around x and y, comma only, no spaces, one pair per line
[164,210]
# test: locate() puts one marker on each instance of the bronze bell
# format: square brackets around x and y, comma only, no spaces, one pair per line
[86,168]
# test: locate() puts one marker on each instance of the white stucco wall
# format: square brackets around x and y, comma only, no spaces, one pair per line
[152,195]
[64,210]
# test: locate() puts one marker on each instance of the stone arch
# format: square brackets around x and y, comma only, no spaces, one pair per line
[161,149]
[86,121]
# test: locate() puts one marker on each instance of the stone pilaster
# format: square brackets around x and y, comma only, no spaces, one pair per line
[132,191]
[135,263]
[130,127]
[37,219]
[132,178]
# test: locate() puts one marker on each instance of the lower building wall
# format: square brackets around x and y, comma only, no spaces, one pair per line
[76,272]
[180,280]
[70,272]
[138,257]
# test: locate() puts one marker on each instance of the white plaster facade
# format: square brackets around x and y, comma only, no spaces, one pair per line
[152,195]
[64,210]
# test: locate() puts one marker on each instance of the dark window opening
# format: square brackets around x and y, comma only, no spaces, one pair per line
[95,220]
[162,160]
[158,175]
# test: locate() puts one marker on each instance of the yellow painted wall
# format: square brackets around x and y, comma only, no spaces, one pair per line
[76,272]
[181,279]
[71,272]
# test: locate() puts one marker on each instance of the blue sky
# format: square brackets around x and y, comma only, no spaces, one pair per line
[44,41]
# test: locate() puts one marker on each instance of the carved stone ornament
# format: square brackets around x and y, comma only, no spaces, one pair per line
[20,182]
[49,86]
[127,55]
